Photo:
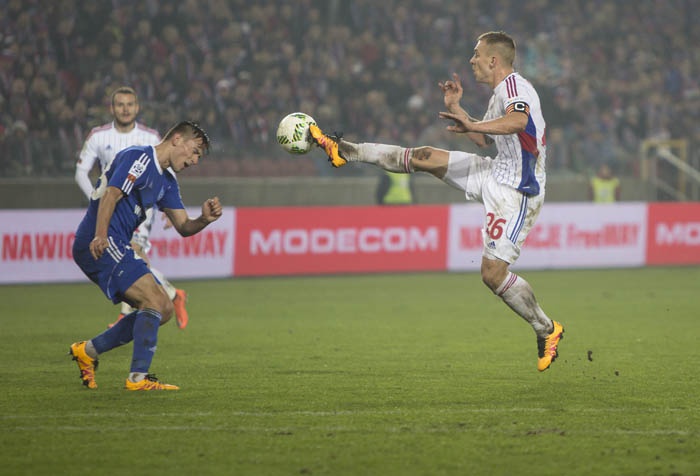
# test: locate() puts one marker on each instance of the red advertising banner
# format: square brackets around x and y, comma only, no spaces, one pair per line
[673,235]
[319,240]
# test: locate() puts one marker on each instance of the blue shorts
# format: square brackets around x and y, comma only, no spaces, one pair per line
[115,272]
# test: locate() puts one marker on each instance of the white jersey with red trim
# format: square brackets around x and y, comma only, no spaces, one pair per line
[520,161]
[103,143]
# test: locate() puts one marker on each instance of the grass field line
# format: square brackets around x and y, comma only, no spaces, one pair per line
[314,413]
[329,430]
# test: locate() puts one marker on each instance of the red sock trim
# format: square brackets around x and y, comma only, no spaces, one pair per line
[510,280]
[407,160]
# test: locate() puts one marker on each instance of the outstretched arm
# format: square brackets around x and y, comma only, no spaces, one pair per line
[453,91]
[186,226]
[511,123]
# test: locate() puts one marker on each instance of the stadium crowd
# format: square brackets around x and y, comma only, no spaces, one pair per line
[610,74]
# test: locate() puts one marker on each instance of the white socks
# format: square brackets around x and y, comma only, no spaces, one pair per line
[136,377]
[389,157]
[517,294]
[126,309]
[90,350]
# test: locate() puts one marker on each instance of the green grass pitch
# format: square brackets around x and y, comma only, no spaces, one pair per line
[414,374]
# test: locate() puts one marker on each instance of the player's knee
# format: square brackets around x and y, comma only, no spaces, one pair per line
[431,160]
[160,302]
[426,154]
[493,273]
[166,310]
[489,281]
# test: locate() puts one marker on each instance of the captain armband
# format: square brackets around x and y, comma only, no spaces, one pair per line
[518,106]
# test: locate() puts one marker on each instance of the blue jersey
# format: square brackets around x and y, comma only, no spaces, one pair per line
[144,184]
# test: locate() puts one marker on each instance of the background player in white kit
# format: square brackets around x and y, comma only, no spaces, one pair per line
[102,144]
[511,186]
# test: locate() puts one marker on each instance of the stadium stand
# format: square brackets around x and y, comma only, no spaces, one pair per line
[627,73]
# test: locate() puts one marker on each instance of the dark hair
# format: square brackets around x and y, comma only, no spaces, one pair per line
[189,129]
[124,90]
[501,40]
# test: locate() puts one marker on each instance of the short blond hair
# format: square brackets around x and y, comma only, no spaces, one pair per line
[503,42]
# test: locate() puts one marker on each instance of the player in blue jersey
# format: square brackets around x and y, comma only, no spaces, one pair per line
[140,177]
[510,186]
[102,145]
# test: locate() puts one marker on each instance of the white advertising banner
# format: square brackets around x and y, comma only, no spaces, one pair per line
[464,238]
[208,254]
[36,247]
[566,235]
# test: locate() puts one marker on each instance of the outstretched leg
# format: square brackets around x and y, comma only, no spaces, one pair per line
[393,158]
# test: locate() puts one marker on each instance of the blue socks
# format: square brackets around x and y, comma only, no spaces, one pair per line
[139,326]
[122,332]
[145,335]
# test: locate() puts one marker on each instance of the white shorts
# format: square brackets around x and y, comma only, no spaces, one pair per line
[509,214]
[143,232]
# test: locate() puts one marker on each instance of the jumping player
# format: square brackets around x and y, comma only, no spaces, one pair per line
[140,178]
[511,186]
[102,144]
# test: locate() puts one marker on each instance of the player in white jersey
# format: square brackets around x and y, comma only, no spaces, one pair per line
[510,186]
[102,145]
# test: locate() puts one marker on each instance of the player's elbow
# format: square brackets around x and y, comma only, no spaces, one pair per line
[185,228]
[482,141]
[520,122]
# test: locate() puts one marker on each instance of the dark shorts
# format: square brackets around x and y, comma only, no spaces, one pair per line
[115,272]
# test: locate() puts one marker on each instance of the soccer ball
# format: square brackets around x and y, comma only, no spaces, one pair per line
[293,133]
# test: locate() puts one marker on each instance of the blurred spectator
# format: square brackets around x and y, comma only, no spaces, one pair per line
[17,156]
[607,83]
[604,186]
[395,189]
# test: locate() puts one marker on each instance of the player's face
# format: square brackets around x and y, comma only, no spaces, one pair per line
[125,108]
[480,63]
[187,153]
